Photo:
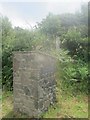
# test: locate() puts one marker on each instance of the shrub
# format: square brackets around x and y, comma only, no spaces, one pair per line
[73,74]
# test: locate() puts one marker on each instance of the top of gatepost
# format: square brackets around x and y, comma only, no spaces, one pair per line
[39,52]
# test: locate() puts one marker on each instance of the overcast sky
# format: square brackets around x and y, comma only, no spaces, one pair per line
[26,14]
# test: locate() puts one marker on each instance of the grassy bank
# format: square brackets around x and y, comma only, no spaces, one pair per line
[66,107]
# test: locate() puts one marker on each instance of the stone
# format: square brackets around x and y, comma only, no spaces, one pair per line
[33,82]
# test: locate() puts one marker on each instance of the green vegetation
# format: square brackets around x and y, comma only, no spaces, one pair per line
[7,106]
[67,106]
[73,57]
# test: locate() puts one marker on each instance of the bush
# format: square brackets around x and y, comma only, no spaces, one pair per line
[73,74]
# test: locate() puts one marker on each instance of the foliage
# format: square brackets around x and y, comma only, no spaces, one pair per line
[66,107]
[72,67]
[22,40]
[51,25]
[73,74]
[76,44]
[7,40]
[12,40]
[72,31]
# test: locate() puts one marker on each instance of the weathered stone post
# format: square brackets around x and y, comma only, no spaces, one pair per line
[33,82]
[57,43]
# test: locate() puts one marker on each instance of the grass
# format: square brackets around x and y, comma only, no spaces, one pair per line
[0,104]
[67,106]
[7,104]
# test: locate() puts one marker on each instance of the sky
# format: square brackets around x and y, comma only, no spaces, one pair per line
[26,14]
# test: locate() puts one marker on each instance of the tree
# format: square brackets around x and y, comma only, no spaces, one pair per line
[51,26]
[23,36]
[7,45]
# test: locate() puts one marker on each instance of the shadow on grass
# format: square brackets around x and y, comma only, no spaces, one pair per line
[12,115]
[9,115]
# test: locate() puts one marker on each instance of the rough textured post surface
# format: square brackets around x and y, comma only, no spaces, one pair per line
[33,82]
